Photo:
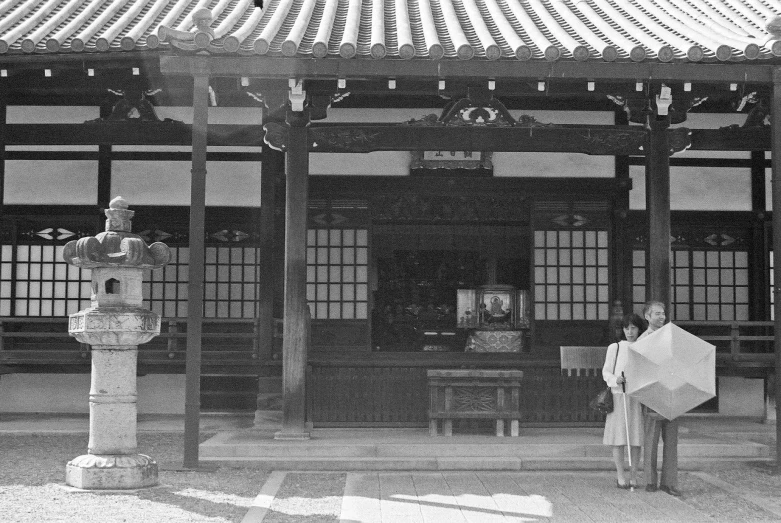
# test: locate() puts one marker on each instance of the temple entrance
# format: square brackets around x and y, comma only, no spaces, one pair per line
[420,270]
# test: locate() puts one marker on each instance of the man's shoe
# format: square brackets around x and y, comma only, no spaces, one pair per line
[651,488]
[671,491]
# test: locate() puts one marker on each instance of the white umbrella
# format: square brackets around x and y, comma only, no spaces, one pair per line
[671,371]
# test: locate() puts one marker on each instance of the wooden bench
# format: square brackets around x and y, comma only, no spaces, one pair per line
[474,394]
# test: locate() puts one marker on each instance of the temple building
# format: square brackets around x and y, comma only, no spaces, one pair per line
[356,192]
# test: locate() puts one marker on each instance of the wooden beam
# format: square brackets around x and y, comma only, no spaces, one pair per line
[295,336]
[657,197]
[196,269]
[607,140]
[131,133]
[596,138]
[731,139]
[775,125]
[267,67]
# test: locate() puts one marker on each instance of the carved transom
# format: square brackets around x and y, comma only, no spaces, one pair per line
[570,220]
[329,219]
[474,399]
[50,233]
[226,235]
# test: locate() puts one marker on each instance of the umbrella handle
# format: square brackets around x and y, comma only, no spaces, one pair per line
[623,385]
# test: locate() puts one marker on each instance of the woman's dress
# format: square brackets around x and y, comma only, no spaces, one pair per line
[615,426]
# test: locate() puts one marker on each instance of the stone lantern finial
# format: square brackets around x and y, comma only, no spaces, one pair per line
[119,216]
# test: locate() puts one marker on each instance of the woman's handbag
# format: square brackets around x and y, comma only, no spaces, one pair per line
[603,402]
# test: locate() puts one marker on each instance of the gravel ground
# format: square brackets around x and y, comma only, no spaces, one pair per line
[32,489]
[32,473]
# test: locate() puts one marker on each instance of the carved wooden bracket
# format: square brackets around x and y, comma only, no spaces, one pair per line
[133,106]
[679,139]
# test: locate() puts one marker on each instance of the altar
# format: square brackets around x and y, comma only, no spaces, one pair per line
[496,318]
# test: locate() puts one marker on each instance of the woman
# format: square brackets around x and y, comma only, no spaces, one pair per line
[615,425]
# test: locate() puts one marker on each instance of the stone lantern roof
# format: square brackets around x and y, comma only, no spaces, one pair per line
[117,246]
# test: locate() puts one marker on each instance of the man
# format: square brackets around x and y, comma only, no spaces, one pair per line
[656,425]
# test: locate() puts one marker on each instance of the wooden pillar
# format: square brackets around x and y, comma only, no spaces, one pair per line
[657,197]
[758,299]
[104,166]
[272,166]
[296,311]
[775,144]
[3,113]
[621,255]
[192,405]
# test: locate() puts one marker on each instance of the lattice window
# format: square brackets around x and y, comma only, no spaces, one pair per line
[638,280]
[705,285]
[571,275]
[40,283]
[337,273]
[230,283]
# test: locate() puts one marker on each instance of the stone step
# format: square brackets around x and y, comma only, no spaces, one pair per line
[252,444]
[447,463]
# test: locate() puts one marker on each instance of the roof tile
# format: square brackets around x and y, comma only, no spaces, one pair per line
[637,30]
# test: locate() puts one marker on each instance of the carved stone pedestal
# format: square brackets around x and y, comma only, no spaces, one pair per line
[111,471]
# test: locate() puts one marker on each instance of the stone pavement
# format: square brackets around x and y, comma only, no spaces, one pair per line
[494,497]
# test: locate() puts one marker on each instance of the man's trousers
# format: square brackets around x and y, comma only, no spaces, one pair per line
[654,426]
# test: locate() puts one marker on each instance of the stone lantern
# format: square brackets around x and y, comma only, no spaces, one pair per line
[114,325]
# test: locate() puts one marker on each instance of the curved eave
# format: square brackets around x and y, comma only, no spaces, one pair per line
[440,30]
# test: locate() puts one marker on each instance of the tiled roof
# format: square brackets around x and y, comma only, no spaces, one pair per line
[628,30]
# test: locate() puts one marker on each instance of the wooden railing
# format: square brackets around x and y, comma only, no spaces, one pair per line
[229,345]
[738,343]
[233,343]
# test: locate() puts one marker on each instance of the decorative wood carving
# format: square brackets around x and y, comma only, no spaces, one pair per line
[133,106]
[599,140]
[342,139]
[474,399]
[611,142]
[276,136]
[679,139]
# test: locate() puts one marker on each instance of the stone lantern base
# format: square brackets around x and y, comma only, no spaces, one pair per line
[111,471]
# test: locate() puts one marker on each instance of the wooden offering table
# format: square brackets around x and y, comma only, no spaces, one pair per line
[474,394]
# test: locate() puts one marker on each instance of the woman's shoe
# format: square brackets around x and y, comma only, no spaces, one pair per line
[626,486]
